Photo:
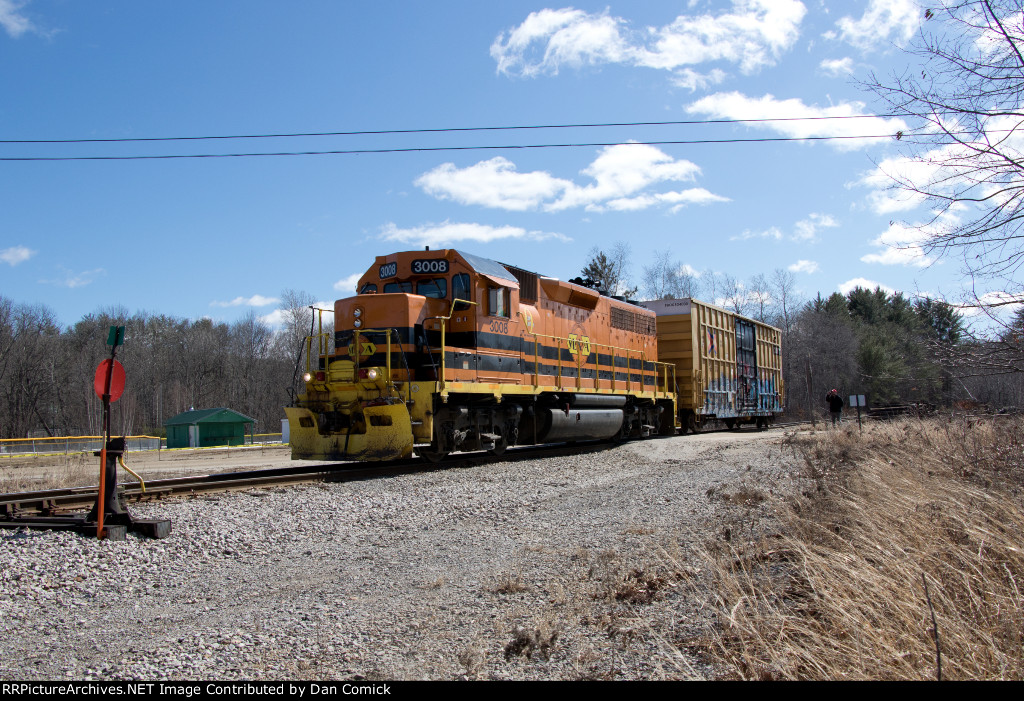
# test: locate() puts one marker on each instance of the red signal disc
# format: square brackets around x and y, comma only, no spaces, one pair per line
[117,378]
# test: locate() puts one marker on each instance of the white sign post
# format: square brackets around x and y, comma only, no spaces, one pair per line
[857,400]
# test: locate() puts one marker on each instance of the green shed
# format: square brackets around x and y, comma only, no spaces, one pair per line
[202,428]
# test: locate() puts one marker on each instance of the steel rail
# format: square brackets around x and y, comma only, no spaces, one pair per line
[58,502]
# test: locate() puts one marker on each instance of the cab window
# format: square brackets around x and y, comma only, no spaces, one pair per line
[497,301]
[460,290]
[368,289]
[436,288]
[398,287]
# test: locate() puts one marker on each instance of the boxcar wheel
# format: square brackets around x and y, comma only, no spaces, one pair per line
[730,424]
[692,423]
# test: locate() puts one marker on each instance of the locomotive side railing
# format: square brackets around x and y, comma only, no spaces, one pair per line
[664,373]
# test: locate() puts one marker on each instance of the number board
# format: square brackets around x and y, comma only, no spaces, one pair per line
[388,270]
[433,265]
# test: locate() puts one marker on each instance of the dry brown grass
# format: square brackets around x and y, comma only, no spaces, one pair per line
[902,556]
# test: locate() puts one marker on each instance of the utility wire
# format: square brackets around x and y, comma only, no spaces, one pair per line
[446,130]
[447,148]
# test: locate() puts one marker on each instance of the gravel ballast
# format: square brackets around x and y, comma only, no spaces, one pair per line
[553,568]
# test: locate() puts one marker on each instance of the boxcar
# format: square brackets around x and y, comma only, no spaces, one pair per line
[728,367]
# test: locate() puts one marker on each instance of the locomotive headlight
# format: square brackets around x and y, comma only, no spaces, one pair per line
[357,313]
[357,323]
[371,374]
[306,377]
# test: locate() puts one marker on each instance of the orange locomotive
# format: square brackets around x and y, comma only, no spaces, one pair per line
[442,351]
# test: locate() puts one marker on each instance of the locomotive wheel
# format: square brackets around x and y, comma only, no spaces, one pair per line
[434,456]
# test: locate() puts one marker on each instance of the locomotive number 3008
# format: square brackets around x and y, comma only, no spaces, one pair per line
[435,265]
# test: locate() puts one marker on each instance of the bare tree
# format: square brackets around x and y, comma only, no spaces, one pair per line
[965,146]
[297,311]
[734,296]
[669,279]
[30,370]
[760,297]
[783,291]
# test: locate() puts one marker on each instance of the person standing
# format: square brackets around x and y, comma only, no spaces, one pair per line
[835,406]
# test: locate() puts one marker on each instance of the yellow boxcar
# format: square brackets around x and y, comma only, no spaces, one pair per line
[728,367]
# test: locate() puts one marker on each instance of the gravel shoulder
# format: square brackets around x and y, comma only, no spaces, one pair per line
[554,568]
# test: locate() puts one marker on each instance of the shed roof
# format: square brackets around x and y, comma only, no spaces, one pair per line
[221,415]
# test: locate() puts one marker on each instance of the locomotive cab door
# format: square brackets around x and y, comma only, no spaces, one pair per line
[461,337]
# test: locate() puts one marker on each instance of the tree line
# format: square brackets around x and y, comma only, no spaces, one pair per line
[884,345]
[172,365]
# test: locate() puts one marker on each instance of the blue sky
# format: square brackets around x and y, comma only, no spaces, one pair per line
[216,237]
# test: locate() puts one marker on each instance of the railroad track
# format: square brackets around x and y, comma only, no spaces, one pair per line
[19,506]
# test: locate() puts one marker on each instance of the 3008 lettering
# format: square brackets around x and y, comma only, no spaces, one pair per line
[499,325]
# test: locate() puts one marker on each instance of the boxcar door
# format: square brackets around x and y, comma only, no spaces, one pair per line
[746,366]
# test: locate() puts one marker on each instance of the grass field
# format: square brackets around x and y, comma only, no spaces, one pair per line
[901,558]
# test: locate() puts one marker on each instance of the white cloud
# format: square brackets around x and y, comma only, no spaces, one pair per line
[807,229]
[693,80]
[989,40]
[447,233]
[1006,303]
[274,319]
[695,195]
[73,280]
[348,284]
[492,183]
[254,301]
[883,22]
[770,233]
[813,121]
[753,35]
[955,171]
[856,282]
[901,245]
[13,22]
[836,67]
[622,171]
[620,175]
[16,254]
[804,266]
[886,197]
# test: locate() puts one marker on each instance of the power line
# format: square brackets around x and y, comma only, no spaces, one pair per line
[426,149]
[380,132]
